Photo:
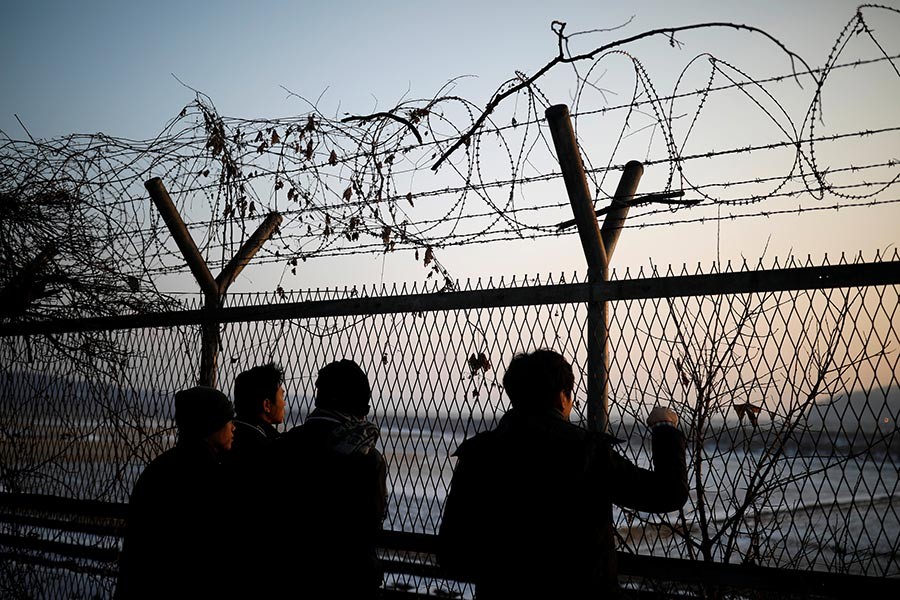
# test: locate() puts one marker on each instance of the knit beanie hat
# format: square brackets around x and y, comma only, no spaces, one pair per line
[200,411]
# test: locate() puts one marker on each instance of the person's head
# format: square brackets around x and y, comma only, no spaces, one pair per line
[204,413]
[343,386]
[540,381]
[259,394]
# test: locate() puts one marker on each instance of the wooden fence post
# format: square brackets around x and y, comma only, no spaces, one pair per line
[598,247]
[213,289]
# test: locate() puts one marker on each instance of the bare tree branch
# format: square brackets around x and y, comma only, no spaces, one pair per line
[500,96]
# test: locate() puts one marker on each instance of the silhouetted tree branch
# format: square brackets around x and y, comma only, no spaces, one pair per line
[561,58]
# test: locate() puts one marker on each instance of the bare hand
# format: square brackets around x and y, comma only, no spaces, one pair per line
[662,414]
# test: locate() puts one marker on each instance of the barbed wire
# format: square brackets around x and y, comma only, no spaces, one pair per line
[539,121]
[339,182]
[873,188]
[516,235]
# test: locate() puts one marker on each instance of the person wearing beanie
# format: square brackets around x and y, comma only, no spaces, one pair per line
[335,484]
[177,523]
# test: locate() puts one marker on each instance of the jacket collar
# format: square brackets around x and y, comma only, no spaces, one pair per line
[260,427]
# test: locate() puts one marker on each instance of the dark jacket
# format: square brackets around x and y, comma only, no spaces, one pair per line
[529,511]
[258,517]
[252,441]
[335,486]
[177,528]
[252,468]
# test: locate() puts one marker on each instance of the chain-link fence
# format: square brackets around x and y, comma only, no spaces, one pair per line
[786,380]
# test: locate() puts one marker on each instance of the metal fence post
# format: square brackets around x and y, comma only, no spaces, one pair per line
[598,247]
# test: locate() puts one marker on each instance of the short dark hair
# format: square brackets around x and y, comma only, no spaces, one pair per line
[533,381]
[343,386]
[255,385]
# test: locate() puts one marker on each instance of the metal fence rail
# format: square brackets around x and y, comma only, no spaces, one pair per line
[786,380]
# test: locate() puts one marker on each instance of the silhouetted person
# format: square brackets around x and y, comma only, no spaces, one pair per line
[178,525]
[260,404]
[529,511]
[336,490]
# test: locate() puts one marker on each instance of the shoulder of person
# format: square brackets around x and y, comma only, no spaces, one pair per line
[291,438]
[242,428]
[164,458]
[600,443]
[165,463]
[168,471]
[484,441]
[311,437]
[252,432]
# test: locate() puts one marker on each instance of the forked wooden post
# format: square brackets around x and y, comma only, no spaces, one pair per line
[213,289]
[615,218]
[598,246]
[246,252]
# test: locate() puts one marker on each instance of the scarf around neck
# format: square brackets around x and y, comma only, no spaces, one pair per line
[352,435]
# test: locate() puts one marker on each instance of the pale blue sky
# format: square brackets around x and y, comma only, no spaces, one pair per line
[108,66]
